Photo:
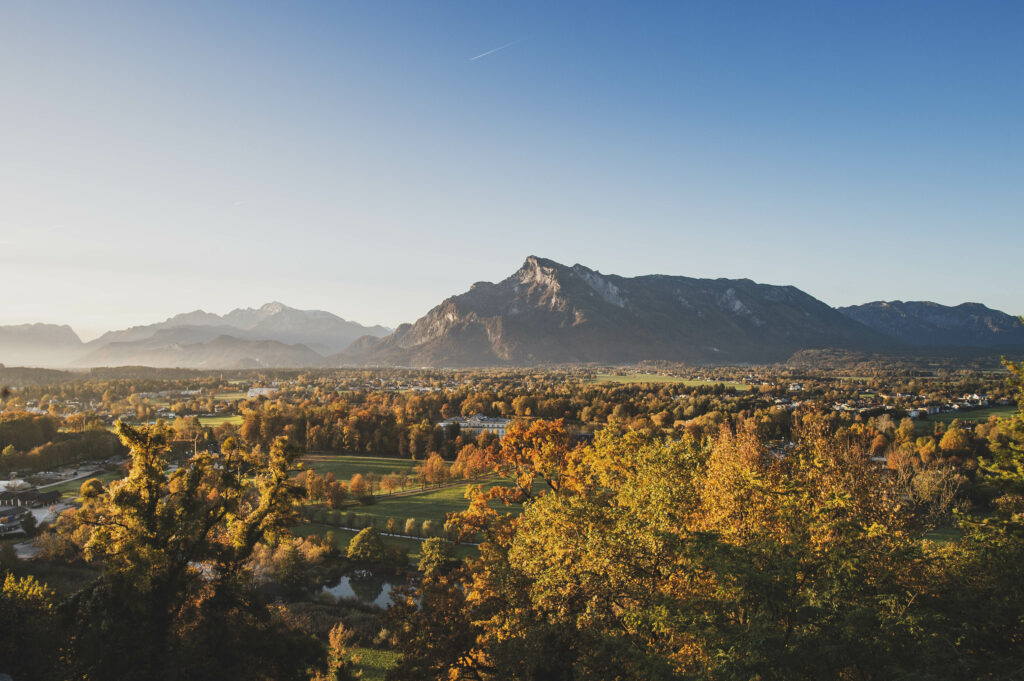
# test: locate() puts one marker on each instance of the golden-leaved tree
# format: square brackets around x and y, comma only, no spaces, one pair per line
[176,598]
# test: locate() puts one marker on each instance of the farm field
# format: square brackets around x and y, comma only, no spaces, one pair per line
[659,378]
[344,466]
[230,397]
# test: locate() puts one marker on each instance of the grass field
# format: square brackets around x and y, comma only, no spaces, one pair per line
[434,505]
[214,421]
[375,663]
[344,466]
[659,378]
[343,537]
[979,415]
[69,489]
[230,397]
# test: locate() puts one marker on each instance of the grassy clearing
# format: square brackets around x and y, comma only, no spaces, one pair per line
[344,466]
[230,397]
[374,663]
[214,421]
[659,378]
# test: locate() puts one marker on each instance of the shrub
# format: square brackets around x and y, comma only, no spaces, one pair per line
[410,527]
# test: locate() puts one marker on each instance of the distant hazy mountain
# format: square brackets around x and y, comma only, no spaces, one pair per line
[923,323]
[38,345]
[550,313]
[321,331]
[220,352]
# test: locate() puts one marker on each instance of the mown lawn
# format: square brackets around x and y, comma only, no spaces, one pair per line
[344,466]
[434,505]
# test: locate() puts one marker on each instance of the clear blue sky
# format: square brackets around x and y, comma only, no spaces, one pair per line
[355,157]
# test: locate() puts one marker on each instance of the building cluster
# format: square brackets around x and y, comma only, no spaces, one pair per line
[474,425]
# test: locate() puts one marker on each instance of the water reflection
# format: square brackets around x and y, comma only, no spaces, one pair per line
[363,585]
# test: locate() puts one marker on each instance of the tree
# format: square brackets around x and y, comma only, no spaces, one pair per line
[28,524]
[954,440]
[340,662]
[358,486]
[175,596]
[26,625]
[435,556]
[366,547]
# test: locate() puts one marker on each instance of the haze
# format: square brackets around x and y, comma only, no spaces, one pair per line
[373,158]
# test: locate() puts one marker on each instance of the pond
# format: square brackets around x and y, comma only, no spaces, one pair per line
[363,585]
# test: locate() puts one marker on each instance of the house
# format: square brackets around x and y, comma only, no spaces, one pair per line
[474,425]
[10,519]
[28,498]
[260,392]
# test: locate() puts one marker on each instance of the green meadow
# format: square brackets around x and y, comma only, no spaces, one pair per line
[345,466]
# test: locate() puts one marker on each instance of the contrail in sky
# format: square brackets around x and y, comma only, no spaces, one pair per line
[496,49]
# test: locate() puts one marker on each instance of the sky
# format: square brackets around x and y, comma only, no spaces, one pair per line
[373,158]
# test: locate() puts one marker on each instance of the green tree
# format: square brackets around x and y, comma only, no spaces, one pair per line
[435,556]
[366,547]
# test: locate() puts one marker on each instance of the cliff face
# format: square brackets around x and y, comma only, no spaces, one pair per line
[927,324]
[550,313]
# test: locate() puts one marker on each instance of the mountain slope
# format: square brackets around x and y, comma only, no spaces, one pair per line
[321,331]
[549,313]
[927,324]
[38,344]
[219,352]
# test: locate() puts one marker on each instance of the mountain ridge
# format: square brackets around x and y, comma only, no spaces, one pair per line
[546,312]
[543,313]
[927,324]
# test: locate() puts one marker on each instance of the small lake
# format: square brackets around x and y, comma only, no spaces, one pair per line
[366,587]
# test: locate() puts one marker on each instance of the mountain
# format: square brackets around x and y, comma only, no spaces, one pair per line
[550,313]
[220,352]
[926,324]
[320,331]
[38,345]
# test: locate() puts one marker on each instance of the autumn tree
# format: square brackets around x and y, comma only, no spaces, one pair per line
[174,599]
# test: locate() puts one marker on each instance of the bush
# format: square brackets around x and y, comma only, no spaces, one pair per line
[410,527]
[391,526]
[428,528]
